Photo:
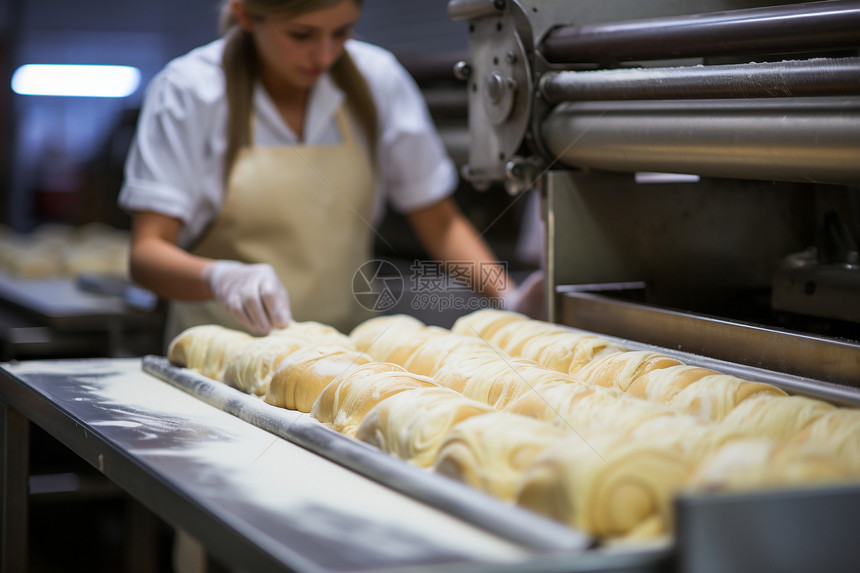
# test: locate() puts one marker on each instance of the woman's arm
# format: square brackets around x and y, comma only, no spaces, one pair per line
[448,235]
[252,294]
[158,264]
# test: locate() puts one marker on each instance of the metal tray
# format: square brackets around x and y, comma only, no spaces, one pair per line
[824,361]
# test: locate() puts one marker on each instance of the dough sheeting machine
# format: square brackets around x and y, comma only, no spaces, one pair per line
[698,165]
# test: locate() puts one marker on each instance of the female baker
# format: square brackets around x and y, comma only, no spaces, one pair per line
[262,161]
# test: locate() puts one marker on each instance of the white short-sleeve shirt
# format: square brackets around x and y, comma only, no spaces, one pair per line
[176,162]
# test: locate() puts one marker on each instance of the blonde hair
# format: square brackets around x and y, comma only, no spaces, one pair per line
[240,72]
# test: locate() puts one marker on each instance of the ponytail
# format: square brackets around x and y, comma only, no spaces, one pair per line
[239,62]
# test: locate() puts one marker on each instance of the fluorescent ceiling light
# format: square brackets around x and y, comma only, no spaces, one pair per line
[74,80]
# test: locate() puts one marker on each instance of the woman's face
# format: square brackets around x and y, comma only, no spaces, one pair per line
[296,50]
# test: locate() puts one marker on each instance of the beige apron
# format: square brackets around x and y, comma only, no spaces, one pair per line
[306,211]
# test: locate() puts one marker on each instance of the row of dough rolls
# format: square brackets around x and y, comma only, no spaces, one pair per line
[517,335]
[753,408]
[700,426]
[345,402]
[596,361]
[487,372]
[449,423]
[579,429]
[466,364]
[506,454]
[411,425]
[54,251]
[495,452]
[665,437]
[289,368]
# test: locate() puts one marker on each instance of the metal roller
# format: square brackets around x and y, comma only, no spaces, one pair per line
[806,140]
[816,77]
[794,28]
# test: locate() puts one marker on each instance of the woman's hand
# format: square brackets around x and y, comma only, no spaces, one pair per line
[252,294]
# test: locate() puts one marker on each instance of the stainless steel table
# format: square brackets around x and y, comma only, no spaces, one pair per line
[50,318]
[256,501]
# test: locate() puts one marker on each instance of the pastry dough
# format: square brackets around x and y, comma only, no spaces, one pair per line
[32,263]
[251,370]
[224,346]
[777,417]
[490,451]
[189,347]
[455,374]
[383,337]
[605,487]
[691,437]
[302,376]
[590,433]
[765,463]
[53,251]
[568,351]
[620,370]
[412,425]
[593,411]
[590,411]
[400,348]
[344,403]
[836,433]
[368,331]
[210,349]
[713,397]
[315,333]
[663,384]
[553,346]
[513,336]
[502,381]
[485,322]
[435,351]
[308,328]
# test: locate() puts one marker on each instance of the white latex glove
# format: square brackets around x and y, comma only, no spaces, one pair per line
[528,298]
[252,294]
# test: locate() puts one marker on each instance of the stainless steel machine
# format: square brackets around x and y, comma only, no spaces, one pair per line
[698,163]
